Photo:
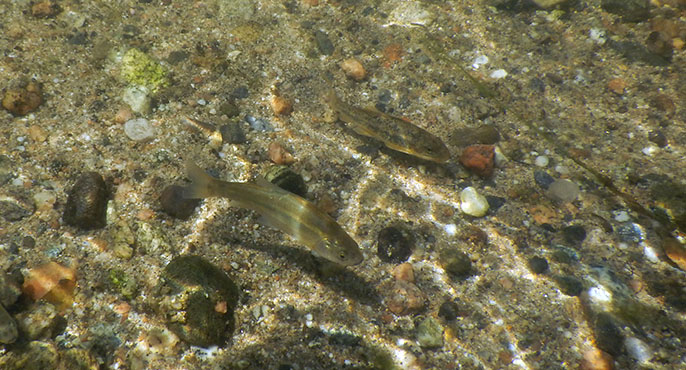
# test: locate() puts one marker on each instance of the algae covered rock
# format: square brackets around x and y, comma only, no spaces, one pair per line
[200,302]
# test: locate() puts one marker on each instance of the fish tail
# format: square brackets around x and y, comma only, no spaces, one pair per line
[201,185]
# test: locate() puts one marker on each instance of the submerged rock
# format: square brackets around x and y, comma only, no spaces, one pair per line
[86,206]
[8,327]
[207,298]
[393,245]
[430,333]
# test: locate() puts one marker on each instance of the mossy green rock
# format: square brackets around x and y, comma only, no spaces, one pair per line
[430,333]
[123,283]
[200,288]
[140,69]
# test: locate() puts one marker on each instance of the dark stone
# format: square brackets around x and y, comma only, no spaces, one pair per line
[176,57]
[324,44]
[241,92]
[564,254]
[345,339]
[537,84]
[393,246]
[569,285]
[455,262]
[200,287]
[6,165]
[538,265]
[608,337]
[629,10]
[14,209]
[230,108]
[86,206]
[657,137]
[629,232]
[449,310]
[232,133]
[79,38]
[287,179]
[634,52]
[543,179]
[574,234]
[494,202]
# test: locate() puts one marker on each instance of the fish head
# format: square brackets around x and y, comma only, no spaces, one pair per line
[432,150]
[339,248]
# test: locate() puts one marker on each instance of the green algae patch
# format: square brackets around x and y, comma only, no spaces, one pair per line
[138,68]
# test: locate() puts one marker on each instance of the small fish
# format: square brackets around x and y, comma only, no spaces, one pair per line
[393,132]
[281,209]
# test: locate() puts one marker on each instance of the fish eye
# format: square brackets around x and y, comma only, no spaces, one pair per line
[341,255]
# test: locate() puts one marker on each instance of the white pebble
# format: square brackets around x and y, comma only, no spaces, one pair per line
[649,150]
[622,216]
[541,161]
[139,129]
[600,297]
[563,190]
[473,203]
[138,98]
[450,229]
[638,350]
[479,61]
[650,253]
[498,74]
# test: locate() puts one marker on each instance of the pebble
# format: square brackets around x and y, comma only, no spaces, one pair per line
[393,245]
[563,191]
[281,106]
[23,100]
[543,179]
[455,262]
[139,129]
[404,272]
[628,10]
[199,287]
[449,310]
[279,155]
[541,161]
[638,350]
[286,179]
[36,355]
[353,69]
[494,202]
[9,288]
[45,9]
[232,133]
[569,285]
[630,232]
[259,124]
[675,251]
[42,321]
[538,265]
[608,337]
[617,86]
[175,204]
[37,133]
[479,159]
[658,138]
[484,134]
[403,298]
[15,207]
[123,283]
[229,108]
[8,327]
[138,99]
[430,333]
[574,234]
[473,203]
[324,44]
[86,206]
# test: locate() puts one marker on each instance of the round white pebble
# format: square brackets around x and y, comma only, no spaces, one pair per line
[638,349]
[563,190]
[139,129]
[473,203]
[498,74]
[541,161]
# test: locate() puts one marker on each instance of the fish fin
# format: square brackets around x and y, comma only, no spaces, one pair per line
[201,184]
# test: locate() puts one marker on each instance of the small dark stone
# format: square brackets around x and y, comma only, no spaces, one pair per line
[393,246]
[232,133]
[537,84]
[629,232]
[608,337]
[569,285]
[175,204]
[574,234]
[208,297]
[345,339]
[660,43]
[28,242]
[14,209]
[323,42]
[86,206]
[178,56]
[657,137]
[241,92]
[449,310]
[5,169]
[230,108]
[494,202]
[629,10]
[455,262]
[543,179]
[538,265]
[287,179]
[79,38]
[564,254]
[635,52]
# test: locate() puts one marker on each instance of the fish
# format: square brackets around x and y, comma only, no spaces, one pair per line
[281,209]
[395,133]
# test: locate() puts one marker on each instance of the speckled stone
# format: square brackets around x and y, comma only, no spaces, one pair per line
[449,310]
[86,206]
[36,356]
[8,327]
[538,265]
[23,100]
[403,298]
[323,42]
[569,285]
[393,245]
[430,333]
[574,234]
[232,133]
[455,262]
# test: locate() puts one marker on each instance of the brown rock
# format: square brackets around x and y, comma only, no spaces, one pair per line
[675,251]
[353,69]
[664,103]
[37,134]
[21,101]
[479,159]
[617,86]
[45,9]
[281,106]
[279,155]
[404,272]
[404,298]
